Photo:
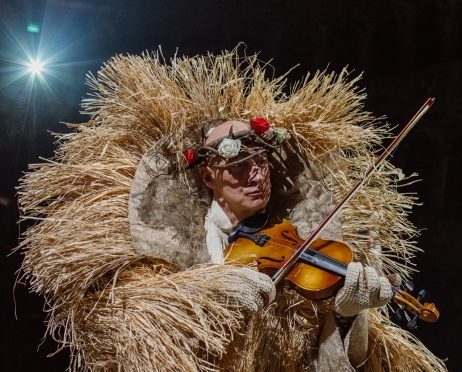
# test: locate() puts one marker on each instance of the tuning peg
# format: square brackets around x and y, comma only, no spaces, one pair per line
[412,324]
[399,312]
[421,295]
[409,286]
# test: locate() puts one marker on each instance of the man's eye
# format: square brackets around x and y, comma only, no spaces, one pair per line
[238,168]
[262,163]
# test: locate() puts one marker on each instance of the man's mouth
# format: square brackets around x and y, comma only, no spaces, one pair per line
[256,192]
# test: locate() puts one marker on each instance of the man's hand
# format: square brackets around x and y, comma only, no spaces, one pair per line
[251,290]
[363,289]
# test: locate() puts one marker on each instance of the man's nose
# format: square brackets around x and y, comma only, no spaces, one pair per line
[256,174]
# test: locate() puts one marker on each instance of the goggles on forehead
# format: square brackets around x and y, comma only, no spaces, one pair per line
[261,138]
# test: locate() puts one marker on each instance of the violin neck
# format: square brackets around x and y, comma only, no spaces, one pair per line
[323,262]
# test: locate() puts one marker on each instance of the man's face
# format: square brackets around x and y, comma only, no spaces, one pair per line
[241,189]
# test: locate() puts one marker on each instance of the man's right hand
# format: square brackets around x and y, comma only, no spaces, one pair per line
[253,290]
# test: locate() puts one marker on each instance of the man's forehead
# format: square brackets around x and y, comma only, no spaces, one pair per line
[222,130]
[246,155]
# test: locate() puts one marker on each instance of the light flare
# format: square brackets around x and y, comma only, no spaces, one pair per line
[35,67]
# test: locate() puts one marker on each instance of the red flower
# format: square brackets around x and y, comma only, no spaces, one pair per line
[260,125]
[190,157]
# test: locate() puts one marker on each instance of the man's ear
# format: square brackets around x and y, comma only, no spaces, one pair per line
[207,177]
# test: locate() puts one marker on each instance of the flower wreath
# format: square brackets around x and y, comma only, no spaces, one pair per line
[261,132]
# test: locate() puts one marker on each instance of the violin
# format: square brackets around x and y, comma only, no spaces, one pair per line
[319,271]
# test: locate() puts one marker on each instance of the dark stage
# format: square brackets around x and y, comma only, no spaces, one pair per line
[407,50]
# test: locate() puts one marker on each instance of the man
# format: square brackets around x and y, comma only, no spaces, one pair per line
[240,189]
[240,181]
[132,278]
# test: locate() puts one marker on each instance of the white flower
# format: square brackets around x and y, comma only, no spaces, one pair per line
[209,132]
[229,148]
[281,134]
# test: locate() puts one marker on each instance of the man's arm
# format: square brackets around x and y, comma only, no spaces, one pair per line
[343,342]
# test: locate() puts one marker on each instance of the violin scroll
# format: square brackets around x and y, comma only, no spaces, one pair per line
[427,312]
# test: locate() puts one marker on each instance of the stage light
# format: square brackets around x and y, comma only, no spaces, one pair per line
[35,67]
[33,28]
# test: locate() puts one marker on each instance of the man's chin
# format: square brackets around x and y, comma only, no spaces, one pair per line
[259,203]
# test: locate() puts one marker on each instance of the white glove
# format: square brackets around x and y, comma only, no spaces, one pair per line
[363,289]
[247,289]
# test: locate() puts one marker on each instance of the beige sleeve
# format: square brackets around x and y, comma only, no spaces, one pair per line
[336,355]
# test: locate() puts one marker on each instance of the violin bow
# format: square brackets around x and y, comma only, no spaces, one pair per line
[289,264]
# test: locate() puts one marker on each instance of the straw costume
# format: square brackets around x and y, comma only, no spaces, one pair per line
[119,247]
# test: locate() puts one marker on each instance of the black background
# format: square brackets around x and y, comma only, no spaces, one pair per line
[408,51]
